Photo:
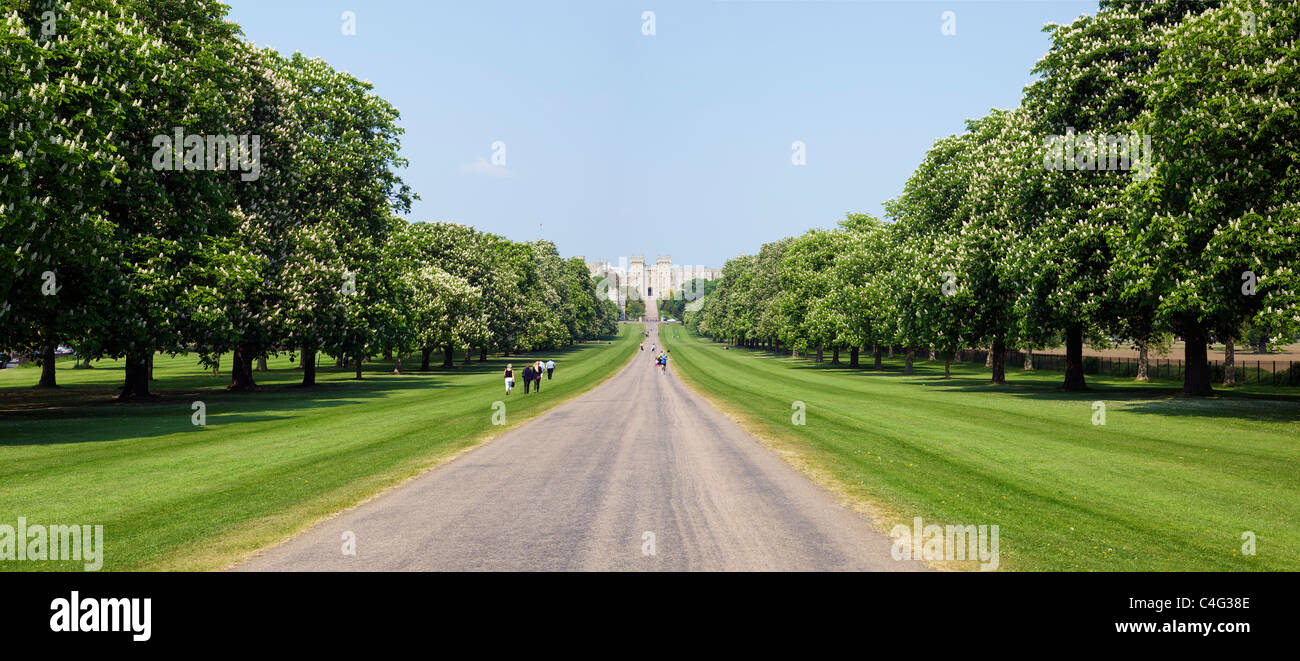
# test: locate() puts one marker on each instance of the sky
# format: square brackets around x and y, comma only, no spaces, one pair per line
[616,142]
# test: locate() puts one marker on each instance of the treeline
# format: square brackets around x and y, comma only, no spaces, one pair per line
[1056,222]
[169,187]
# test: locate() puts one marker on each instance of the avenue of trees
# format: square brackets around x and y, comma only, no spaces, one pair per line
[166,186]
[1025,231]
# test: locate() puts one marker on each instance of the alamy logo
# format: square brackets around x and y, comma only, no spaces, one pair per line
[935,542]
[209,152]
[39,543]
[1102,151]
[90,614]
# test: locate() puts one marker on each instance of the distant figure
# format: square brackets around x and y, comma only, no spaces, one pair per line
[510,377]
[528,377]
[663,363]
[538,368]
[550,369]
[643,347]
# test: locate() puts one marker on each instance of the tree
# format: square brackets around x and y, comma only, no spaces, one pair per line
[959,218]
[171,212]
[804,274]
[446,309]
[1083,108]
[635,308]
[859,285]
[75,76]
[1218,226]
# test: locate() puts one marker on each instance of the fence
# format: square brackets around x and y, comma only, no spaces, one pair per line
[1267,372]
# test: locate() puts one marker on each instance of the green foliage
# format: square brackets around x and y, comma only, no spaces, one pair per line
[991,245]
[635,308]
[297,249]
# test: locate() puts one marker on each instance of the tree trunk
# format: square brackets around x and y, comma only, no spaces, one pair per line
[1263,345]
[1229,363]
[308,363]
[388,353]
[835,356]
[339,361]
[424,358]
[819,353]
[891,351]
[469,355]
[397,363]
[482,354]
[151,367]
[1142,361]
[359,360]
[988,358]
[1029,360]
[241,369]
[47,366]
[998,352]
[853,357]
[911,355]
[216,366]
[261,364]
[137,377]
[1074,358]
[448,356]
[932,355]
[1196,374]
[875,353]
[947,366]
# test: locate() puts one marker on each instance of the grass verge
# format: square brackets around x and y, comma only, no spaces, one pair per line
[1167,483]
[267,465]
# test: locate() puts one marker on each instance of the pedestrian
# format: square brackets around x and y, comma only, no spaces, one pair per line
[550,368]
[510,377]
[528,377]
[663,363]
[538,368]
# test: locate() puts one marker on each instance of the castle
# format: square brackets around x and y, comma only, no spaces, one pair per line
[636,279]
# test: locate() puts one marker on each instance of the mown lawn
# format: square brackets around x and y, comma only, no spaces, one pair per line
[1168,483]
[172,495]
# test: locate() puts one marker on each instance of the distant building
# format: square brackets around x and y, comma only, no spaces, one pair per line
[636,279]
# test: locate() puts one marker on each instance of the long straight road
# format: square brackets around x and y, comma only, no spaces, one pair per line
[591,485]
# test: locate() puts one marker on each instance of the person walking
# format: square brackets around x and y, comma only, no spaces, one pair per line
[663,363]
[510,377]
[538,368]
[528,377]
[550,369]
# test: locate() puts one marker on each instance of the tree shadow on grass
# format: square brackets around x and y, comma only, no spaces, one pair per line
[171,412]
[1157,398]
[1161,397]
[91,413]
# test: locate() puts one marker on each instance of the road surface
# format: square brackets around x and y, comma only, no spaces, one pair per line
[638,464]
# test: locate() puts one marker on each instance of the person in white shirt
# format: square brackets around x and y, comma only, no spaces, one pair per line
[550,367]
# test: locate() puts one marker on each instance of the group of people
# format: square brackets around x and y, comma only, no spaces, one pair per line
[661,360]
[532,375]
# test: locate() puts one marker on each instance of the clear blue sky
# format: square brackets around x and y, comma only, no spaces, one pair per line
[621,143]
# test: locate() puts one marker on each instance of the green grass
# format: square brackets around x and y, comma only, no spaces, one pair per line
[171,495]
[1168,483]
